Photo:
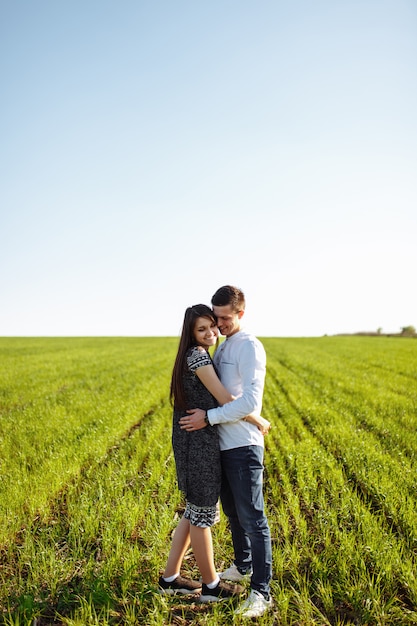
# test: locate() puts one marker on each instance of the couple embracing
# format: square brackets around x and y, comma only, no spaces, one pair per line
[218,443]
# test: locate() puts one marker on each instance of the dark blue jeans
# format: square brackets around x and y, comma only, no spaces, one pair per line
[243,503]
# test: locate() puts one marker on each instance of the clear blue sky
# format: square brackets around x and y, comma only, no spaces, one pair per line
[152,151]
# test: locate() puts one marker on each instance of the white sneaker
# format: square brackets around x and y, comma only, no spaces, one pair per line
[254,606]
[233,574]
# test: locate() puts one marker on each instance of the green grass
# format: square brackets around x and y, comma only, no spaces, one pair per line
[88,496]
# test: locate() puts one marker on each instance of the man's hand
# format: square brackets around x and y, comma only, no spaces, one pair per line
[194,420]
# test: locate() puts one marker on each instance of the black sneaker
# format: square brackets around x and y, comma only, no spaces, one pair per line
[179,585]
[223,591]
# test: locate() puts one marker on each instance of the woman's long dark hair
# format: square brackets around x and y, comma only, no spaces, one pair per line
[187,340]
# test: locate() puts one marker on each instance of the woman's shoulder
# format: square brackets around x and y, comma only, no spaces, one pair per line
[196,352]
[197,356]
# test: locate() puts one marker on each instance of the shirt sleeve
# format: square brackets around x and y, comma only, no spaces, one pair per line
[251,366]
[198,357]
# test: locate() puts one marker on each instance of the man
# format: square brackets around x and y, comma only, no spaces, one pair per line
[241,362]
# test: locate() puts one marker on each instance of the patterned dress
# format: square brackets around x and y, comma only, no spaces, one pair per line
[197,453]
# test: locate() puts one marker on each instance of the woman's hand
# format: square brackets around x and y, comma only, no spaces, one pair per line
[260,422]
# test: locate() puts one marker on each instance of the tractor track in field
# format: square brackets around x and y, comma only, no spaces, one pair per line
[57,505]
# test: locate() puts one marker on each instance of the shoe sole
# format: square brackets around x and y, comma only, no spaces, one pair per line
[235,579]
[208,599]
[250,614]
[182,592]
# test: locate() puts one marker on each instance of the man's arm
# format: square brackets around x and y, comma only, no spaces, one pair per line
[251,371]
[197,419]
[250,375]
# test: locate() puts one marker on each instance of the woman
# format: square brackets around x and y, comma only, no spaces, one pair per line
[197,457]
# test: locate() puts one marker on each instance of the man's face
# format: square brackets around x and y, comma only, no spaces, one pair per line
[228,320]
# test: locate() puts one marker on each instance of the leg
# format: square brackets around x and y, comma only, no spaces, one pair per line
[202,545]
[241,543]
[243,468]
[180,545]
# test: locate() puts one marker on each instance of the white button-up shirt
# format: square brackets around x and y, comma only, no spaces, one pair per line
[241,364]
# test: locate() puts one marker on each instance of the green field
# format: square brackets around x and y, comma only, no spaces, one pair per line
[88,497]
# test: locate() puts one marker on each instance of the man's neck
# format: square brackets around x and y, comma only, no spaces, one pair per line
[234,333]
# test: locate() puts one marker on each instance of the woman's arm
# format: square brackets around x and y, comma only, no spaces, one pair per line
[207,375]
[260,422]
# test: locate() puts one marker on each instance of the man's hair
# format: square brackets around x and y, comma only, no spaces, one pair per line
[229,295]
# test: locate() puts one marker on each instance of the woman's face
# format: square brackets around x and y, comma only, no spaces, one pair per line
[205,332]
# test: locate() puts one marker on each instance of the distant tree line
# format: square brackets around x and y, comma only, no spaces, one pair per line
[406,331]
